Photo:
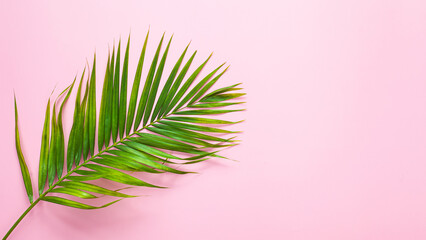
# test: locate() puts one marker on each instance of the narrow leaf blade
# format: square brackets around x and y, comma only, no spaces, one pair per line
[73,137]
[108,109]
[73,192]
[115,97]
[51,165]
[117,176]
[123,93]
[44,151]
[24,169]
[74,204]
[94,188]
[147,86]
[92,109]
[135,89]
[60,151]
[102,110]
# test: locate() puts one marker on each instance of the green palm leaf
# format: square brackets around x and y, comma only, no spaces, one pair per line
[152,132]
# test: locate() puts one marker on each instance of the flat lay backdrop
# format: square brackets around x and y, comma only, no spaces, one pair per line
[334,142]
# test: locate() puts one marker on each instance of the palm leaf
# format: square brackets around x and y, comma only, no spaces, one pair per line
[156,131]
[61,139]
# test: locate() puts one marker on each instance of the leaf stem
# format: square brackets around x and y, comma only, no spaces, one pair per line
[20,218]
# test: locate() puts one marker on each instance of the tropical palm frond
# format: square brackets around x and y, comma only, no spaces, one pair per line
[154,131]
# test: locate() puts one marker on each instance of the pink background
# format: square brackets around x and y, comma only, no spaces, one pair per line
[335,132]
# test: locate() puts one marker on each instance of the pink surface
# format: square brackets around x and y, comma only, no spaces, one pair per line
[335,132]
